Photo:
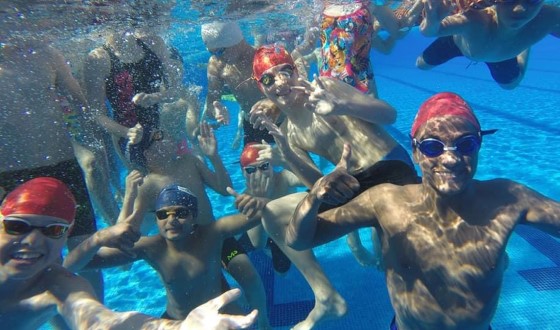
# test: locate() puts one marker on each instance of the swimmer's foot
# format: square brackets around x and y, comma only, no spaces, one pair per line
[365,258]
[333,307]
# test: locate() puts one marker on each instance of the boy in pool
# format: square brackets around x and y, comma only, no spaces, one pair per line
[166,164]
[444,239]
[500,35]
[35,219]
[328,110]
[186,253]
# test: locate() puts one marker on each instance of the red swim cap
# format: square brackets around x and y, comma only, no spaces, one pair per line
[41,196]
[268,56]
[443,104]
[249,154]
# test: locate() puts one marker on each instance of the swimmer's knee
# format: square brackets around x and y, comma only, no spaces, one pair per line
[421,63]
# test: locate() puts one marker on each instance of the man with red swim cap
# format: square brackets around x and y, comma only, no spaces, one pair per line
[444,239]
[321,118]
[34,219]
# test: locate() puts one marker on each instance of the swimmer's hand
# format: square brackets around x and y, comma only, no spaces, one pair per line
[146,100]
[248,205]
[276,133]
[221,113]
[208,317]
[134,134]
[321,101]
[264,108]
[120,236]
[206,140]
[338,186]
[133,181]
[267,153]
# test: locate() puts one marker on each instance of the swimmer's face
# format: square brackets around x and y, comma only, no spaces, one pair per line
[24,255]
[175,222]
[277,81]
[516,14]
[257,170]
[451,172]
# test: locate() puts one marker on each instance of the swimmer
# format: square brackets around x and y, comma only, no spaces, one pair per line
[499,33]
[35,219]
[444,239]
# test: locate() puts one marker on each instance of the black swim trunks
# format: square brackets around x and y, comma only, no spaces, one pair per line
[230,249]
[70,173]
[384,171]
[393,325]
[444,49]
[251,134]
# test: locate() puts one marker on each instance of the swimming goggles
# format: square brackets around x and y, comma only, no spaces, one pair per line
[181,213]
[261,167]
[268,79]
[14,226]
[217,52]
[465,145]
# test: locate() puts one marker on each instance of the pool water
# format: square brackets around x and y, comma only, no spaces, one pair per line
[524,149]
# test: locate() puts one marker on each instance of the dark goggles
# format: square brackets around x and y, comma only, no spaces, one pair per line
[465,145]
[217,51]
[156,135]
[261,167]
[14,226]
[268,79]
[181,213]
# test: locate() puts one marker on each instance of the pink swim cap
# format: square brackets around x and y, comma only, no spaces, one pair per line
[41,196]
[249,154]
[268,56]
[443,104]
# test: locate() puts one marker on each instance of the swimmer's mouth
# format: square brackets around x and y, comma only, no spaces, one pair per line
[26,255]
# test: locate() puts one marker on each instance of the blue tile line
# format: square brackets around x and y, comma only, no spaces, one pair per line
[541,126]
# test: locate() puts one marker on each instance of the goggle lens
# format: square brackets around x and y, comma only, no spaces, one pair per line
[21,227]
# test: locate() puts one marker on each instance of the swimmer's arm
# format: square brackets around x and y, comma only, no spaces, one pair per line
[301,164]
[215,88]
[308,229]
[96,68]
[81,310]
[539,211]
[352,102]
[386,18]
[172,70]
[554,14]
[192,117]
[112,246]
[236,224]
[438,22]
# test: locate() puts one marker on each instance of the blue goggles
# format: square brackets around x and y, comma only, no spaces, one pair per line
[465,145]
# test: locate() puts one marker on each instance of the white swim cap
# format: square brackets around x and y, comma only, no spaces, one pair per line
[221,34]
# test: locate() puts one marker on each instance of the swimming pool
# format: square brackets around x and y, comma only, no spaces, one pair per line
[524,149]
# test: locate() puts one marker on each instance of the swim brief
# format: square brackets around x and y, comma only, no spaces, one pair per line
[384,171]
[444,49]
[251,134]
[394,324]
[69,172]
[230,249]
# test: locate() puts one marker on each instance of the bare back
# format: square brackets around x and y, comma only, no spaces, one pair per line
[33,130]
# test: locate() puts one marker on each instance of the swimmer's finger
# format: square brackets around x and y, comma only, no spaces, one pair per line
[232,192]
[300,89]
[306,84]
[345,158]
[318,81]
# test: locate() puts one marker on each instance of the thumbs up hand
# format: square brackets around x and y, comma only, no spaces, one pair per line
[339,186]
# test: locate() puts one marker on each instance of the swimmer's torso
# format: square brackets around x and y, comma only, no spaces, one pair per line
[30,117]
[444,275]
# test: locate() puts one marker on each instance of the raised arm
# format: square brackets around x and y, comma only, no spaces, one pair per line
[308,229]
[119,240]
[220,179]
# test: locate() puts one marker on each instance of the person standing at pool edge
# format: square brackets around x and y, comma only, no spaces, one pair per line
[443,239]
[35,219]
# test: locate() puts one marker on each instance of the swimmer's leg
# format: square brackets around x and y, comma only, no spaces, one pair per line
[438,52]
[328,302]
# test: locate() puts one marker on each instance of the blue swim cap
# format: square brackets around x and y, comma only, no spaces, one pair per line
[175,195]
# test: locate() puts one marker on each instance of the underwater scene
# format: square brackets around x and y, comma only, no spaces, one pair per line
[344,164]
